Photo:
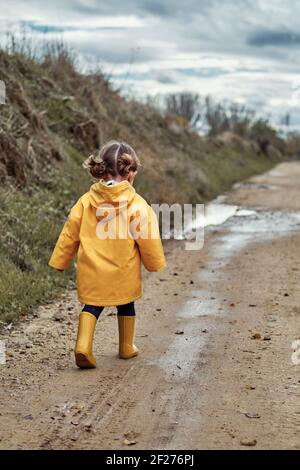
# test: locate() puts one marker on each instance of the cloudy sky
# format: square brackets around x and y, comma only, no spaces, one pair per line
[246,51]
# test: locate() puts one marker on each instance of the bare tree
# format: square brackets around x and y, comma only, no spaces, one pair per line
[184,104]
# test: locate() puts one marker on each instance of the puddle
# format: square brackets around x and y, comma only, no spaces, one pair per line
[249,185]
[238,227]
[257,227]
[251,221]
[183,354]
[275,172]
[217,214]
[181,357]
[200,305]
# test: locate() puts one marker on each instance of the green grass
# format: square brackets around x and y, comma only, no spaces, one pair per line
[31,221]
[227,166]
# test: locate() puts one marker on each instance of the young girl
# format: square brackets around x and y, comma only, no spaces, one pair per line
[106,229]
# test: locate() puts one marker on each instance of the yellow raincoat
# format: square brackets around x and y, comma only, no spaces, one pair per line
[111,229]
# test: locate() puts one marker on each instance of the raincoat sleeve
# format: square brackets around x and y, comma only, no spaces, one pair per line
[68,241]
[150,245]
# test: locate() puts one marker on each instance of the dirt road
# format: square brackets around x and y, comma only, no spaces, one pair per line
[215,332]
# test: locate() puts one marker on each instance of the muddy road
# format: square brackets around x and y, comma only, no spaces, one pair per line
[215,331]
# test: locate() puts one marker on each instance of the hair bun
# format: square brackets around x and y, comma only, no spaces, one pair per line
[115,158]
[96,167]
[126,163]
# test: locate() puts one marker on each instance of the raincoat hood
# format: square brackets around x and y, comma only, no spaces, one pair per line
[111,199]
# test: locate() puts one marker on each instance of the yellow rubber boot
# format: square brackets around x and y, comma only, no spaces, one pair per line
[84,345]
[126,333]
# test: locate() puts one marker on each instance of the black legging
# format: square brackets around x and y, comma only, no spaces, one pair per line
[123,310]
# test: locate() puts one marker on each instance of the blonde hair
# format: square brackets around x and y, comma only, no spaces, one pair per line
[114,158]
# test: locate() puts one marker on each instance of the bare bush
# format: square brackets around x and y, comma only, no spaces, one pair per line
[185,105]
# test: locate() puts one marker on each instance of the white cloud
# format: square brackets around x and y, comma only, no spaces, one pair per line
[244,50]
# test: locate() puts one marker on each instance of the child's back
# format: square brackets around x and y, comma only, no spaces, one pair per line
[111,229]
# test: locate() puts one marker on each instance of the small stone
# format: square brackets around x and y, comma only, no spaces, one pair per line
[179,332]
[130,438]
[256,336]
[128,442]
[87,425]
[252,415]
[76,408]
[248,442]
[58,316]
[250,387]
[267,338]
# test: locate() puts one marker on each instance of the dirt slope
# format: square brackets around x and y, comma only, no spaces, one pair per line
[202,379]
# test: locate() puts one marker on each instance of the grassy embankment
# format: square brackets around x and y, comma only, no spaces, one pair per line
[55,117]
